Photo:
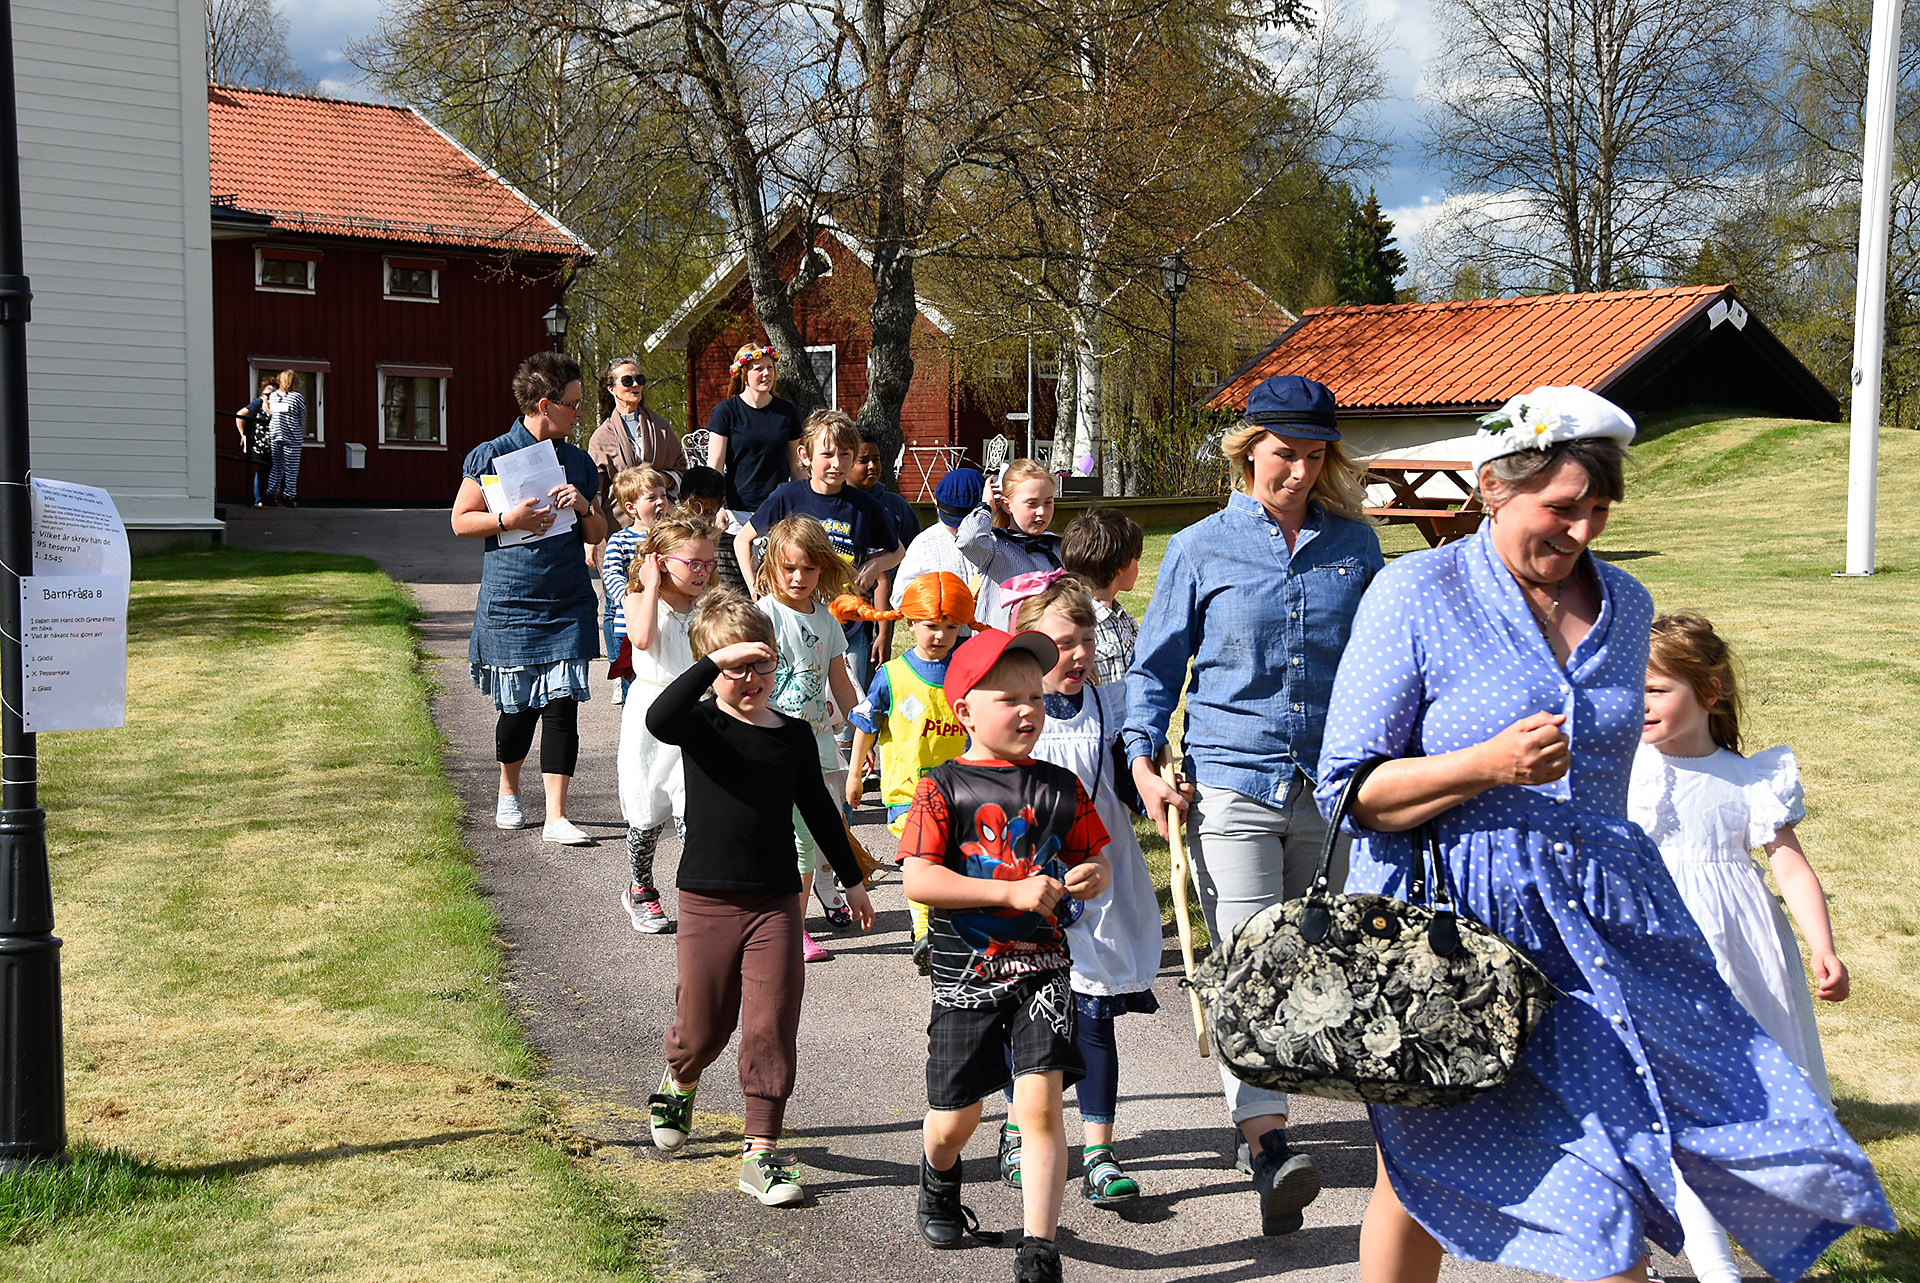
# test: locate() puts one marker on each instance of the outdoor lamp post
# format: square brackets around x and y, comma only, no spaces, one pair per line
[33,1098]
[1173,279]
[556,319]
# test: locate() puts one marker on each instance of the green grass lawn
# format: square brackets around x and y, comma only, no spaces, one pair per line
[286,1051]
[1743,520]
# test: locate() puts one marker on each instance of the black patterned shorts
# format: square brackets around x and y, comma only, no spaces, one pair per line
[973,1052]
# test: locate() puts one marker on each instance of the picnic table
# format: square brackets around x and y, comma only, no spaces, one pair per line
[1442,518]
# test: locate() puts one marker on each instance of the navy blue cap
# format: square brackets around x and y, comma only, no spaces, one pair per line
[1292,406]
[958,494]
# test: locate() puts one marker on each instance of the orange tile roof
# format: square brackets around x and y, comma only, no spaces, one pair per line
[366,170]
[1415,356]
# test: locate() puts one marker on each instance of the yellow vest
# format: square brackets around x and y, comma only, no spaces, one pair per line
[919,733]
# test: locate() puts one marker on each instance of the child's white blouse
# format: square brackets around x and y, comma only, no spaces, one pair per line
[1707,814]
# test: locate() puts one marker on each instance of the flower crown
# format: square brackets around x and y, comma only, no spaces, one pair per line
[748,355]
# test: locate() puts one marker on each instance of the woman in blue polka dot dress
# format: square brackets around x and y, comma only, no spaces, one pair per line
[1503,676]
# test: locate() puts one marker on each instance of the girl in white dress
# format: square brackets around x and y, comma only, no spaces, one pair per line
[1116,941]
[1707,807]
[670,568]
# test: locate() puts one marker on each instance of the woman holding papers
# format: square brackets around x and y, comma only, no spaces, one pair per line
[530,495]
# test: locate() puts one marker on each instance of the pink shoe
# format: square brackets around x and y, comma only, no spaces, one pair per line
[810,951]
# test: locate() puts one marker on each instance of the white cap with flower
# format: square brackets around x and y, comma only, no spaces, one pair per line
[1545,417]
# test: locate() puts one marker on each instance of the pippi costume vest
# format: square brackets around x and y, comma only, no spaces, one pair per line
[919,733]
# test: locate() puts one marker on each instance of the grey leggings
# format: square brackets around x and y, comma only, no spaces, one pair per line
[640,846]
[1247,855]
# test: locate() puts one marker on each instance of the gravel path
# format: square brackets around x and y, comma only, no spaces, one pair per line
[597,999]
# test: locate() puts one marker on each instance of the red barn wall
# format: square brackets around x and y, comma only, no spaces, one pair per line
[833,310]
[485,323]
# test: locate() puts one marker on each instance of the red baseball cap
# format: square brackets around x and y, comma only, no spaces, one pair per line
[980,652]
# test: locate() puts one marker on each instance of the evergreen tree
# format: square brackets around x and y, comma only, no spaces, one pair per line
[1371,262]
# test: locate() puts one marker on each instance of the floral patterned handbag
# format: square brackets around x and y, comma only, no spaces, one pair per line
[1368,998]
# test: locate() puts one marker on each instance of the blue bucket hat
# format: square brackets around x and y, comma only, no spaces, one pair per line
[1291,406]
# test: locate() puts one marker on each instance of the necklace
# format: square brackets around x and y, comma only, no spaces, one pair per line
[1553,609]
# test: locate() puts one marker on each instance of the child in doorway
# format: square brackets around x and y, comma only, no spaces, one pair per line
[1706,807]
[1008,535]
[1004,848]
[906,709]
[748,769]
[1116,942]
[641,492]
[672,568]
[799,575]
[1103,547]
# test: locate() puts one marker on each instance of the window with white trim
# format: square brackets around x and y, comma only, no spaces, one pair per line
[413,407]
[826,368]
[411,280]
[284,271]
[309,380]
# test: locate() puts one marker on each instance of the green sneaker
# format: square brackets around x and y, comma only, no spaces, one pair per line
[769,1177]
[1103,1183]
[672,1115]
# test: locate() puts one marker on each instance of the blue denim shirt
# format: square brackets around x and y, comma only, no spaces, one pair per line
[1263,629]
[537,604]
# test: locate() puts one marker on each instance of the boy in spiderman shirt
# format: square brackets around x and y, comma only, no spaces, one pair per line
[1003,848]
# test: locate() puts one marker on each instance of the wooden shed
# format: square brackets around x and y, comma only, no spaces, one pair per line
[1412,378]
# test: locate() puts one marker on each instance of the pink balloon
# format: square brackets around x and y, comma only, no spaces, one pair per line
[1084,465]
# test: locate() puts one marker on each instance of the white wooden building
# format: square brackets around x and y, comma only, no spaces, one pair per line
[113,164]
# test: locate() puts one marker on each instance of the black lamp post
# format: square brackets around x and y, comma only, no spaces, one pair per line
[556,319]
[1173,279]
[33,1097]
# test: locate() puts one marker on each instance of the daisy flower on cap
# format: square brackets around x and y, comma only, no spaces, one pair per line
[1545,417]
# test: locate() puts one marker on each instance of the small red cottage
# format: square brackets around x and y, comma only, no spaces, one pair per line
[938,421]
[401,279]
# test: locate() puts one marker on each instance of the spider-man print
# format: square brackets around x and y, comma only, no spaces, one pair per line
[1001,822]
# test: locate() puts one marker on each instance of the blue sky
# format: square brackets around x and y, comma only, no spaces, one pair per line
[321,28]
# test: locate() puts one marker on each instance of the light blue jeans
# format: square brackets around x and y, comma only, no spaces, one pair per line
[1246,856]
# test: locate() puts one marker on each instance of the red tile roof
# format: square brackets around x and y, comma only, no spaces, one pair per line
[1453,356]
[366,170]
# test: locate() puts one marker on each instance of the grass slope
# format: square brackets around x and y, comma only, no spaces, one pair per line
[286,1053]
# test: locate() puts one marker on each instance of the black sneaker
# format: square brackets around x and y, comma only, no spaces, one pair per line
[1037,1261]
[944,1220]
[1286,1180]
[1009,1156]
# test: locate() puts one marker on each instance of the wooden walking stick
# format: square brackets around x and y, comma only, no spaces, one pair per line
[1179,876]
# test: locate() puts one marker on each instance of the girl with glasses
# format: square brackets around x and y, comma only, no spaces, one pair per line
[673,567]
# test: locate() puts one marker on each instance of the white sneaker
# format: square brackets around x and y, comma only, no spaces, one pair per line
[507,813]
[565,832]
[619,697]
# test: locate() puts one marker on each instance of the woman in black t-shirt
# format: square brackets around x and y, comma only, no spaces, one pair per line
[753,435]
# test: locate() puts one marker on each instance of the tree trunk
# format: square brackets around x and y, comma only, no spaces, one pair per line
[1087,365]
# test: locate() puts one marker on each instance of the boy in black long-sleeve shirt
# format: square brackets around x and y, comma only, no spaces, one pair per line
[747,768]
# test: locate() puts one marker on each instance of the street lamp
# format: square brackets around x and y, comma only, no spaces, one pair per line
[1173,279]
[33,1107]
[556,319]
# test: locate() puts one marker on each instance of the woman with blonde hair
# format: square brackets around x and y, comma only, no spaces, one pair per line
[1259,598]
[753,437]
[286,437]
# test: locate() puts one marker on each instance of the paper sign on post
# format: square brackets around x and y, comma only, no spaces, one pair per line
[73,652]
[77,531]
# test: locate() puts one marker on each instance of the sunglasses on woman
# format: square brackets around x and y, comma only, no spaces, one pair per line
[631,380]
[760,669]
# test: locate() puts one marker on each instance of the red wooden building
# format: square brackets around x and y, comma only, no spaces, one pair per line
[718,318]
[359,246]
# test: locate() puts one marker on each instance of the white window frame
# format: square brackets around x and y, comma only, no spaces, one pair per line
[261,253]
[380,412]
[316,404]
[832,386]
[386,283]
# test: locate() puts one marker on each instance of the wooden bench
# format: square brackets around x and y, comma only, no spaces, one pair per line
[1440,518]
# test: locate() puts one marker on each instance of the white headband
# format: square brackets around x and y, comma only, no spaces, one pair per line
[1545,417]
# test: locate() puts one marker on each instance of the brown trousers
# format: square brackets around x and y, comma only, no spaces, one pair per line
[740,964]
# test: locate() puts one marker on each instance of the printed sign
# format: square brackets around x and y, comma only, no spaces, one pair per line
[73,652]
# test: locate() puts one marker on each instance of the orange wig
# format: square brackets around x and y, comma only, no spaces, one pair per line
[935,595]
